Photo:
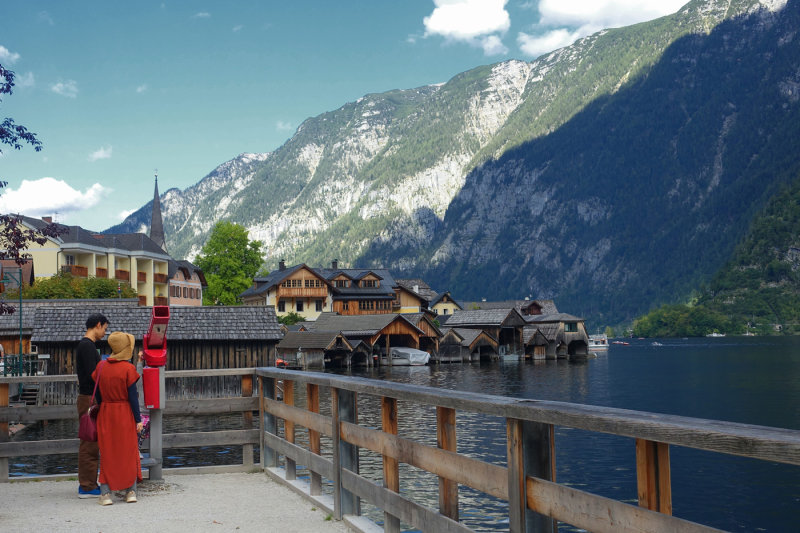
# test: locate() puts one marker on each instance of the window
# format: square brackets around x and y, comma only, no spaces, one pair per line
[369,283]
[571,327]
[319,306]
[299,305]
[444,311]
[185,292]
[345,306]
[282,306]
[69,259]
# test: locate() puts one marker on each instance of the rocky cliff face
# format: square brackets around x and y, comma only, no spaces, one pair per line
[544,178]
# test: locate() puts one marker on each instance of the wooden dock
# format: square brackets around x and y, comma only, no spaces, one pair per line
[322,432]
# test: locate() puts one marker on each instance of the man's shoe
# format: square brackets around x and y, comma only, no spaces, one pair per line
[105,499]
[83,494]
[130,497]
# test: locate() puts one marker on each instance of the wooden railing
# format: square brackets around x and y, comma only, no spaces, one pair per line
[101,272]
[159,278]
[122,275]
[526,482]
[160,300]
[191,406]
[142,300]
[141,277]
[76,270]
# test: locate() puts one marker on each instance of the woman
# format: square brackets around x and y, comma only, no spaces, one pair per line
[119,421]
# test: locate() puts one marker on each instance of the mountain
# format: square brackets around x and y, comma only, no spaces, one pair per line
[611,175]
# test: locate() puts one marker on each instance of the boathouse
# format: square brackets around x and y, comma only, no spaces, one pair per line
[307,349]
[378,332]
[505,325]
[565,333]
[465,345]
[208,337]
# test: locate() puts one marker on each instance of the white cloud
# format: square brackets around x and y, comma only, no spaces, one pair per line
[101,153]
[125,214]
[283,126]
[45,17]
[536,45]
[492,46]
[563,22]
[25,80]
[67,88]
[202,15]
[45,196]
[237,28]
[467,19]
[141,88]
[604,13]
[7,56]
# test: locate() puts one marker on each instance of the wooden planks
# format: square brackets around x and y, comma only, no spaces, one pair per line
[654,486]
[391,468]
[446,440]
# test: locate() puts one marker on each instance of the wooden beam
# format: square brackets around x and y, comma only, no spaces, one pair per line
[654,486]
[446,440]
[391,469]
[312,401]
[247,392]
[288,427]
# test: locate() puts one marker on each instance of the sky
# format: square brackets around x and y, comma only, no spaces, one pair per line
[117,90]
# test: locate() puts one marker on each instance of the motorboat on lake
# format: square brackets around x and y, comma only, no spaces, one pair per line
[598,343]
[407,357]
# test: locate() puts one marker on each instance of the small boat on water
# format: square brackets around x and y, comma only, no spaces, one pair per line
[598,343]
[407,357]
[623,343]
[715,334]
[656,343]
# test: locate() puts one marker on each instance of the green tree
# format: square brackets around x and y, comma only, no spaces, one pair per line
[291,318]
[66,286]
[229,261]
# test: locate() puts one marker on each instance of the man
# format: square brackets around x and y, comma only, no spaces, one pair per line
[86,358]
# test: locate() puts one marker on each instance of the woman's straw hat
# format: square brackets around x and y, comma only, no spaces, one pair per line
[121,346]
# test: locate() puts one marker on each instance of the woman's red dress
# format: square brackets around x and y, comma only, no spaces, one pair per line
[116,428]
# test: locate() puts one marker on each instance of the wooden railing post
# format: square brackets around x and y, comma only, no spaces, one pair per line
[247,392]
[391,468]
[653,476]
[268,423]
[4,401]
[530,453]
[446,439]
[288,427]
[312,400]
[345,455]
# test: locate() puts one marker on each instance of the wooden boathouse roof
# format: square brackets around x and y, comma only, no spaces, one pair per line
[9,324]
[60,324]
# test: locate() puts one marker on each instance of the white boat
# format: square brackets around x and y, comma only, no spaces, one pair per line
[407,357]
[715,334]
[598,343]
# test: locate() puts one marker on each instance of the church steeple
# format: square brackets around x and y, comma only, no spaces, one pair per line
[156,224]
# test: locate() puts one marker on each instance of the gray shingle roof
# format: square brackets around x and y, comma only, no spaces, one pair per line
[556,317]
[423,289]
[311,340]
[549,330]
[356,325]
[480,317]
[548,306]
[9,324]
[186,323]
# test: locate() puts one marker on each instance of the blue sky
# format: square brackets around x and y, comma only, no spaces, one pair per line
[115,90]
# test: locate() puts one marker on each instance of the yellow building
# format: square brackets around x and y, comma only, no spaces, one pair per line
[131,258]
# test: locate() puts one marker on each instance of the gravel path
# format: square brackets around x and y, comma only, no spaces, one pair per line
[179,503]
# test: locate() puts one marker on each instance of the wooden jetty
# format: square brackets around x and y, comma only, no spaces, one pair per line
[322,432]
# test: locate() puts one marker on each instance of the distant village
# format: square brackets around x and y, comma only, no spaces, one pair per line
[350,316]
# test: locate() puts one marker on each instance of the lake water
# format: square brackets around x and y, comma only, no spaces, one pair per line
[746,379]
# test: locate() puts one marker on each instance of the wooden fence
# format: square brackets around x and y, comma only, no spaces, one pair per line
[330,410]
[197,397]
[527,481]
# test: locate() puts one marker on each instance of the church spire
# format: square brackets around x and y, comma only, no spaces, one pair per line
[156,224]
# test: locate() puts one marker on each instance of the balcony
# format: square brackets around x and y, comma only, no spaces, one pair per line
[141,277]
[122,275]
[101,273]
[142,300]
[160,278]
[76,270]
[302,292]
[160,300]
